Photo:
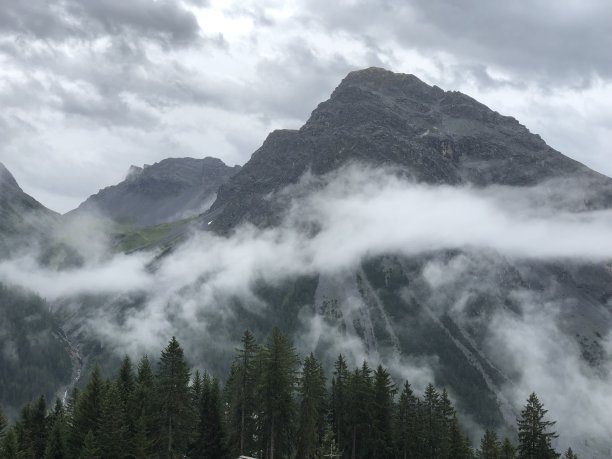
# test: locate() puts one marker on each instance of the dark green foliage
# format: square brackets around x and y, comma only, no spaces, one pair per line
[241,400]
[145,416]
[112,436]
[209,441]
[340,403]
[406,424]
[87,413]
[176,414]
[534,432]
[276,383]
[490,447]
[90,448]
[312,395]
[569,454]
[381,414]
[507,450]
[3,423]
[9,448]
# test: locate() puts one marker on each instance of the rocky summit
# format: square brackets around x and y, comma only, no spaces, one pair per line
[172,189]
[381,118]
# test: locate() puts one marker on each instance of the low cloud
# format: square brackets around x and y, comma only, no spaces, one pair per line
[338,222]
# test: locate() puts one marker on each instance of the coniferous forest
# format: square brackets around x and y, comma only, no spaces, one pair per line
[272,405]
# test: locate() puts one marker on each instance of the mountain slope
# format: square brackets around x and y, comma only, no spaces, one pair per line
[22,218]
[386,119]
[172,189]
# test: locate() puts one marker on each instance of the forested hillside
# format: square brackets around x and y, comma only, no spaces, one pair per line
[272,405]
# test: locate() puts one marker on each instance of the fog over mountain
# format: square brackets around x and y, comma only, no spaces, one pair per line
[402,224]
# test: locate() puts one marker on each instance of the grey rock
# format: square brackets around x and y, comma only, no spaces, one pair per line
[172,189]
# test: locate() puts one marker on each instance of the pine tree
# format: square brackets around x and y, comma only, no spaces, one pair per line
[339,402]
[126,386]
[312,408]
[56,447]
[490,447]
[37,428]
[381,414]
[359,411]
[432,423]
[569,454]
[210,442]
[90,448]
[3,423]
[112,435]
[9,448]
[87,413]
[507,450]
[241,399]
[533,432]
[276,389]
[174,398]
[406,424]
[447,416]
[145,409]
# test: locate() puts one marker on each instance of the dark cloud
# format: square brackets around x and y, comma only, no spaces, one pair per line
[165,21]
[565,42]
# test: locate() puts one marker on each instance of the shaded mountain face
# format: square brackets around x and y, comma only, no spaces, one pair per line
[172,189]
[381,118]
[22,218]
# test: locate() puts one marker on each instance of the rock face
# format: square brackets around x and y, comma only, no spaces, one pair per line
[22,218]
[382,118]
[172,189]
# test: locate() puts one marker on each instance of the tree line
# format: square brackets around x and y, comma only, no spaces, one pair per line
[271,406]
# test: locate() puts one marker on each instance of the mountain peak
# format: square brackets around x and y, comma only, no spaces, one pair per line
[7,180]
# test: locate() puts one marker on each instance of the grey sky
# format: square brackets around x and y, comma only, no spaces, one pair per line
[88,87]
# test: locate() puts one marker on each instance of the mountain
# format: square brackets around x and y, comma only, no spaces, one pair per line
[385,305]
[382,118]
[172,189]
[22,218]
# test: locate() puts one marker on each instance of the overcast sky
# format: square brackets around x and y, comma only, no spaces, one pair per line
[89,87]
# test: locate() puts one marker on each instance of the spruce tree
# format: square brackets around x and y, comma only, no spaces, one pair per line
[312,408]
[490,447]
[534,431]
[126,386]
[381,411]
[210,442]
[3,423]
[112,434]
[339,402]
[9,447]
[241,398]
[87,413]
[56,447]
[37,428]
[406,424]
[569,454]
[89,450]
[434,429]
[174,399]
[276,385]
[145,409]
[507,450]
[459,447]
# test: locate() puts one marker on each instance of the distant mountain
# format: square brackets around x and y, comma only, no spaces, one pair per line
[22,218]
[172,189]
[382,118]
